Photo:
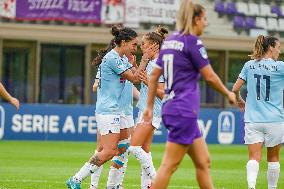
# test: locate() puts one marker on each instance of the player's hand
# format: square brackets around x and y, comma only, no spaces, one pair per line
[232,98]
[95,86]
[242,105]
[132,60]
[143,77]
[151,51]
[15,102]
[147,116]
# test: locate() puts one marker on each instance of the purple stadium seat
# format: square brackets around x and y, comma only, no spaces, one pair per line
[231,8]
[250,23]
[220,7]
[239,22]
[276,10]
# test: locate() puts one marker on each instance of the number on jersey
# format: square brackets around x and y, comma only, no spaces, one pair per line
[267,86]
[168,70]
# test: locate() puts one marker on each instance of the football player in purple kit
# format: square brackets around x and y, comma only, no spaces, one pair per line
[182,59]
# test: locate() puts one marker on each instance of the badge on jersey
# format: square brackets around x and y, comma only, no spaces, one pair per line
[203,52]
[120,64]
[199,42]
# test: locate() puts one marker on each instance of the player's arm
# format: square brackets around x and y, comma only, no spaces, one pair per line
[152,88]
[133,78]
[160,86]
[95,85]
[214,81]
[136,93]
[5,95]
[236,89]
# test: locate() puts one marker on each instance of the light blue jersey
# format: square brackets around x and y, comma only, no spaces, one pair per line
[142,102]
[111,84]
[265,85]
[126,100]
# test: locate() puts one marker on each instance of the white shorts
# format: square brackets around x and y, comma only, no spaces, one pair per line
[126,121]
[271,134]
[108,124]
[156,122]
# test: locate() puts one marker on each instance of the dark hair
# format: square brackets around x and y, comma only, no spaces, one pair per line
[102,52]
[262,45]
[120,34]
[157,36]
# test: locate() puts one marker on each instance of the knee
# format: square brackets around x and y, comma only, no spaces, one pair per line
[171,167]
[256,157]
[204,163]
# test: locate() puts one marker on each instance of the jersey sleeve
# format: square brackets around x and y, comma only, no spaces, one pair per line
[243,74]
[198,54]
[118,66]
[159,63]
[281,67]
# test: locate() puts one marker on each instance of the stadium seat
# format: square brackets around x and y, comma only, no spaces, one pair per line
[253,9]
[265,10]
[220,7]
[276,10]
[242,8]
[231,8]
[281,24]
[239,22]
[250,23]
[272,24]
[261,22]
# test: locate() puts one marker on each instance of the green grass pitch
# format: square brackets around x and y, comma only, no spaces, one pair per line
[47,165]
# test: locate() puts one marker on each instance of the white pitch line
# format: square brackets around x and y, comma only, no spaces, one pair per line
[56,182]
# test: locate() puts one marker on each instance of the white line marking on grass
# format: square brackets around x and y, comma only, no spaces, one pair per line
[63,182]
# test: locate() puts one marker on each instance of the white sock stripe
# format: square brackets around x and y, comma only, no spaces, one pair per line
[273,165]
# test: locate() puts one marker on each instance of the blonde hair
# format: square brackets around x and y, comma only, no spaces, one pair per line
[261,46]
[188,11]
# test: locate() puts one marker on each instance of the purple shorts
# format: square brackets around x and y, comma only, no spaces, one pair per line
[182,130]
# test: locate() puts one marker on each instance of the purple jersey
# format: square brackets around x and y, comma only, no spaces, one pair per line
[181,57]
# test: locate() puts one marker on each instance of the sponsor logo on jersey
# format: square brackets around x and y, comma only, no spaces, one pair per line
[203,52]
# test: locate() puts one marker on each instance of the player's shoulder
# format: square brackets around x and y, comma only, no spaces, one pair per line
[250,62]
[111,57]
[280,63]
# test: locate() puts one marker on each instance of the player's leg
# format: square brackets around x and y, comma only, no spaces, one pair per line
[254,138]
[273,139]
[199,154]
[173,155]
[141,133]
[145,179]
[253,163]
[119,161]
[273,168]
[109,128]
[96,175]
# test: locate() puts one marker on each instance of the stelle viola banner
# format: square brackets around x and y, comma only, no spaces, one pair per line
[63,10]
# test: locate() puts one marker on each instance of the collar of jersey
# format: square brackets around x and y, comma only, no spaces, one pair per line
[268,59]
